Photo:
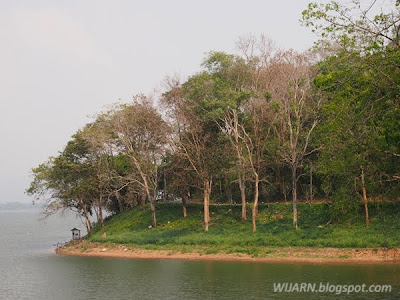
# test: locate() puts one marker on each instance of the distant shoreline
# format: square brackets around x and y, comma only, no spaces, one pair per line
[280,255]
[19,206]
[22,210]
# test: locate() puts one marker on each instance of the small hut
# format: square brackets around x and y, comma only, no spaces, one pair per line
[76,233]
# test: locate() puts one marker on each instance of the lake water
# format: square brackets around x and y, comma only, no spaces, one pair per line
[29,269]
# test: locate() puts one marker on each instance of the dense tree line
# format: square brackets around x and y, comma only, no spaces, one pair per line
[262,124]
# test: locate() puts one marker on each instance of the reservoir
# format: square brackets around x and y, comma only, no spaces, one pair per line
[30,269]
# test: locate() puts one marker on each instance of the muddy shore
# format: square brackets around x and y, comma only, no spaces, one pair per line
[288,255]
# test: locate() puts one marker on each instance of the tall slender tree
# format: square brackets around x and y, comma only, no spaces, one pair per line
[297,109]
[142,136]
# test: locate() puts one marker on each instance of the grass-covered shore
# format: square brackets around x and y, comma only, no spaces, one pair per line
[229,235]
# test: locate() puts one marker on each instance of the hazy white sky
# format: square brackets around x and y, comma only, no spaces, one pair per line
[61,61]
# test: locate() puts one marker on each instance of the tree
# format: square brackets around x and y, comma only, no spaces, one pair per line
[352,134]
[113,168]
[256,127]
[234,73]
[181,178]
[353,25]
[297,110]
[234,133]
[98,138]
[360,82]
[194,107]
[67,181]
[142,136]
[256,137]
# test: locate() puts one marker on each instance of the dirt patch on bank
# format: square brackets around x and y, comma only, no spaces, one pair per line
[288,254]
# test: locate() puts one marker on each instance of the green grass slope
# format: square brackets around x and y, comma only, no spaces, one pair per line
[229,234]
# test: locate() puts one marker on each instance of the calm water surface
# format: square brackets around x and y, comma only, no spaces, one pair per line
[29,269]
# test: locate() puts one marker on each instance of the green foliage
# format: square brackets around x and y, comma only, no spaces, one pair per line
[360,84]
[357,128]
[68,181]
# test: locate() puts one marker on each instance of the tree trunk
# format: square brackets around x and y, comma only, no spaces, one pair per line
[184,205]
[207,191]
[311,184]
[143,199]
[255,205]
[118,196]
[364,191]
[228,191]
[100,215]
[294,195]
[152,198]
[100,200]
[165,187]
[238,147]
[96,213]
[152,201]
[242,188]
[86,214]
[88,225]
[153,213]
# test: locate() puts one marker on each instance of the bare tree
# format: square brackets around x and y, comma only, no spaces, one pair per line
[256,138]
[141,135]
[233,130]
[297,113]
[258,53]
[97,136]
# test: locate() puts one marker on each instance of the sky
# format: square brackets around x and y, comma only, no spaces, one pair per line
[61,62]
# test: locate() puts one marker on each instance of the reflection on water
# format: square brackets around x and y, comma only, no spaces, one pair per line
[30,271]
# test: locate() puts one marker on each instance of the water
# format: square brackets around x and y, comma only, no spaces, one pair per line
[29,269]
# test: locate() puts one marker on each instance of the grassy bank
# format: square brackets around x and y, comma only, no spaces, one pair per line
[228,234]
